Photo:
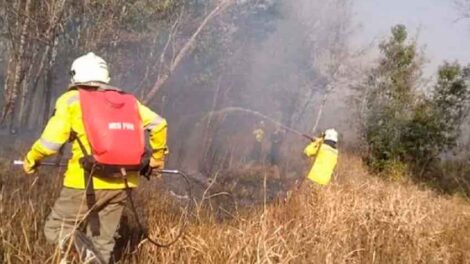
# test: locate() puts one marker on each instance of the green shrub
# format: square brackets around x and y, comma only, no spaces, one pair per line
[403,125]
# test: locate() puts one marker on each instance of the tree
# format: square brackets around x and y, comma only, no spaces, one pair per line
[43,37]
[389,98]
[403,125]
[185,49]
[436,123]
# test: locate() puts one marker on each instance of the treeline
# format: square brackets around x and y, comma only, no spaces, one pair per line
[292,60]
[143,41]
[41,38]
[185,58]
[408,123]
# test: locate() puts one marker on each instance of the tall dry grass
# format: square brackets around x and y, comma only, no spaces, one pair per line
[358,219]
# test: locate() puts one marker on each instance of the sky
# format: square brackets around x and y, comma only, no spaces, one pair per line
[435,22]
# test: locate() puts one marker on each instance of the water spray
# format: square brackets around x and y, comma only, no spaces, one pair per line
[258,114]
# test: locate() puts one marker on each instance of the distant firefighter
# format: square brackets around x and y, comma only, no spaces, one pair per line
[258,132]
[276,140]
[325,151]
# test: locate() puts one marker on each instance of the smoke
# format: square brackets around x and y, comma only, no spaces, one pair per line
[286,59]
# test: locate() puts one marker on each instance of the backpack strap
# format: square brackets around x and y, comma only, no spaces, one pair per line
[88,165]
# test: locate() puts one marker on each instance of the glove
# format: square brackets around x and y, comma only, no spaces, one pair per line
[29,167]
[312,148]
[157,163]
[32,159]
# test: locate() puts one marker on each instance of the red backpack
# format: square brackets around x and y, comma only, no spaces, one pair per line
[115,132]
[113,127]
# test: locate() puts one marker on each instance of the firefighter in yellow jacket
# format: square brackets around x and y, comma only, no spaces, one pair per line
[69,209]
[325,151]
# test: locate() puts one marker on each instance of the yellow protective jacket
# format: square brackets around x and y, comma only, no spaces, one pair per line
[259,134]
[325,161]
[67,118]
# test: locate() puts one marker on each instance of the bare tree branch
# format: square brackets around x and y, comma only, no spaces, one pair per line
[186,49]
[161,65]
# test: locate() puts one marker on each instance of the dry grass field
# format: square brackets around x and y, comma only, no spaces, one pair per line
[357,219]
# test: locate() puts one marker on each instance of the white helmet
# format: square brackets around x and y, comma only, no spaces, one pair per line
[89,68]
[331,134]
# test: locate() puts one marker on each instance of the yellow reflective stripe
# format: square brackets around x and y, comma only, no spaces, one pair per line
[157,121]
[49,144]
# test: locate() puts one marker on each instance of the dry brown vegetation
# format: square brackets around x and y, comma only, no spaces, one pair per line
[358,219]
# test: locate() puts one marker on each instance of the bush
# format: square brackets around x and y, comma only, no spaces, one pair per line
[403,125]
[436,122]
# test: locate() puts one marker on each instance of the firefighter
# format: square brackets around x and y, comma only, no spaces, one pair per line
[276,141]
[325,151]
[258,133]
[90,72]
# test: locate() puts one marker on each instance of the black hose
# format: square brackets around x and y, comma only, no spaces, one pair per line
[134,211]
